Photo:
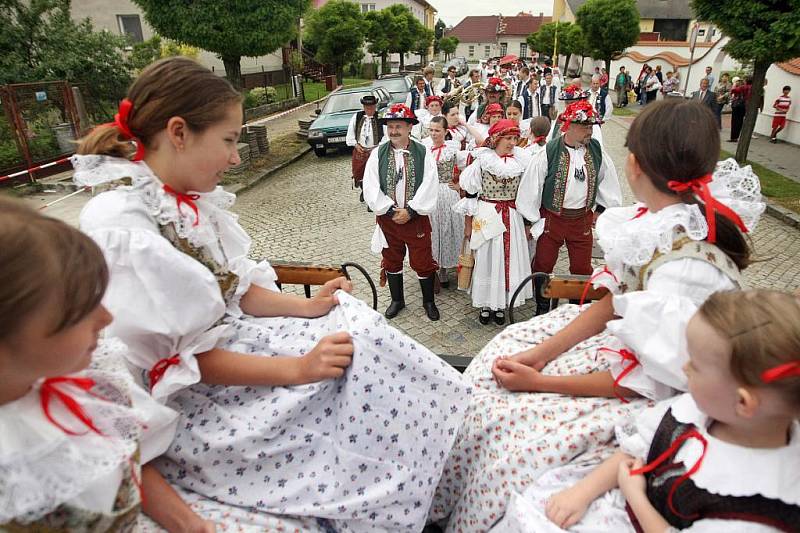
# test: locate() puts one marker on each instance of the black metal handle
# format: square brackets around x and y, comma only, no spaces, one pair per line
[367,276]
[532,277]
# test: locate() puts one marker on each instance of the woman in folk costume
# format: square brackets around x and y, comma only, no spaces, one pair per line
[433,108]
[76,433]
[456,125]
[447,226]
[723,457]
[514,113]
[290,406]
[583,369]
[498,233]
[537,136]
[479,132]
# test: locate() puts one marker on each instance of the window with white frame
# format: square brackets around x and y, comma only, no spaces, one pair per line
[487,51]
[131,25]
[365,8]
[523,49]
[503,49]
[472,50]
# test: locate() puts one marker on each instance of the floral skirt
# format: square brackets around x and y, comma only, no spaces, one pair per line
[447,228]
[509,439]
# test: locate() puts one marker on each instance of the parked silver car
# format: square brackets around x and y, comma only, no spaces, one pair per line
[460,63]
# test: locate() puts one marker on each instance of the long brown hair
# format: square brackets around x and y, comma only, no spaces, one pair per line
[45,262]
[674,140]
[763,328]
[176,86]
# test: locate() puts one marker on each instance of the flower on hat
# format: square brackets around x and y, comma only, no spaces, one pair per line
[496,84]
[573,92]
[579,112]
[398,111]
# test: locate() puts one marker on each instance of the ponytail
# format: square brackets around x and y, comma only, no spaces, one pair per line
[105,140]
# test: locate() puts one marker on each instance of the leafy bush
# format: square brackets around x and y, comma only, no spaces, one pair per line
[260,96]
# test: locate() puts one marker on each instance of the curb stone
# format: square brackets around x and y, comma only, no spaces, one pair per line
[240,187]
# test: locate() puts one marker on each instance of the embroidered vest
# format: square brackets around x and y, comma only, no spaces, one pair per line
[228,281]
[499,187]
[698,503]
[446,167]
[377,130]
[541,97]
[387,169]
[555,183]
[636,279]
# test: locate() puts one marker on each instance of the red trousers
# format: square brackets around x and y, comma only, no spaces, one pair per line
[414,235]
[358,164]
[576,233]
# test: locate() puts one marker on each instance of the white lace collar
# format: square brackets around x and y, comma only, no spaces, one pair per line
[499,166]
[42,467]
[631,235]
[731,470]
[92,170]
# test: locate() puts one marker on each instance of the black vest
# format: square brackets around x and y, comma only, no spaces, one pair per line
[377,130]
[415,99]
[697,503]
[552,97]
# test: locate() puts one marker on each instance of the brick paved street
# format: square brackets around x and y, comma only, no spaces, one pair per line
[308,212]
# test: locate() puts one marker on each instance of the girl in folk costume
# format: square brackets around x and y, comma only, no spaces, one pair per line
[313,427]
[73,440]
[497,230]
[514,113]
[599,364]
[723,457]
[456,128]
[537,136]
[479,132]
[447,226]
[433,108]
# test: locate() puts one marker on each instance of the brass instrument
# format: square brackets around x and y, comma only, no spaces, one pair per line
[466,96]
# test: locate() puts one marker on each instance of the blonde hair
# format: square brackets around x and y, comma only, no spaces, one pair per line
[763,328]
[172,87]
[45,262]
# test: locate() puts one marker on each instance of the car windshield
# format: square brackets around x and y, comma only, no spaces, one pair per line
[343,102]
[393,85]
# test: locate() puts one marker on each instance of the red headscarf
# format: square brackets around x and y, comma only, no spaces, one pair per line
[433,98]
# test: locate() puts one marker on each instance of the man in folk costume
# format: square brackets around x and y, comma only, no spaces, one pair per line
[564,189]
[529,98]
[474,79]
[601,102]
[416,96]
[363,134]
[401,185]
[547,95]
[449,83]
[494,92]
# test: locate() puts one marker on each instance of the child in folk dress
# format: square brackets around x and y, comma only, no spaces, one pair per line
[589,366]
[72,440]
[433,108]
[290,406]
[723,457]
[447,226]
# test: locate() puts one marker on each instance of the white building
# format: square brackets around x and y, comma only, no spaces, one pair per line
[482,37]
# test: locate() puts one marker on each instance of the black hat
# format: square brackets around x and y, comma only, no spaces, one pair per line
[369,99]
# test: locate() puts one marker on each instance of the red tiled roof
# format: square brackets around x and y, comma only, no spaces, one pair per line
[523,25]
[481,29]
[792,66]
[476,29]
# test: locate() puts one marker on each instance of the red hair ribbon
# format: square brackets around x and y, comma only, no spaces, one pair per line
[121,123]
[50,390]
[626,355]
[594,277]
[183,198]
[786,370]
[640,211]
[539,138]
[672,450]
[158,370]
[699,186]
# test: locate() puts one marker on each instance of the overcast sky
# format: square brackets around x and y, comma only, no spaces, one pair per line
[453,11]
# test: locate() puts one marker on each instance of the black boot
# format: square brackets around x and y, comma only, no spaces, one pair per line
[542,303]
[427,297]
[396,289]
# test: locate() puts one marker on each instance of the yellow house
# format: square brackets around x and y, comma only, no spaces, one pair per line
[660,20]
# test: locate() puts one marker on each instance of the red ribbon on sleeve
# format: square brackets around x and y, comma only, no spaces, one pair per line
[626,355]
[157,371]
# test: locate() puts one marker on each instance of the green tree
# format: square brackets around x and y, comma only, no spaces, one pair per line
[337,31]
[230,29]
[145,52]
[422,42]
[609,26]
[543,41]
[377,36]
[402,30]
[438,33]
[761,32]
[448,45]
[41,42]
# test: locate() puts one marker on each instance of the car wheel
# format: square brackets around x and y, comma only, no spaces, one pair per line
[320,152]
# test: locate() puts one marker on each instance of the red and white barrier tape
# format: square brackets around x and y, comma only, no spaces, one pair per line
[34,169]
